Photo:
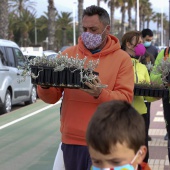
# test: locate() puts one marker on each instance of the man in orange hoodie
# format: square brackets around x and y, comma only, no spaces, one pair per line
[78,105]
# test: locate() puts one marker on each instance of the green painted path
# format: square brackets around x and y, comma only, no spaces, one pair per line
[30,144]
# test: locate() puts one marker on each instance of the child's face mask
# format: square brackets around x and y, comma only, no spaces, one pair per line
[123,167]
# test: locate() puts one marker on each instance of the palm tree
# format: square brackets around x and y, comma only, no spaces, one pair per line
[80,14]
[98,2]
[17,6]
[111,5]
[24,24]
[131,4]
[122,5]
[12,25]
[51,24]
[148,17]
[64,22]
[4,19]
[144,8]
[157,19]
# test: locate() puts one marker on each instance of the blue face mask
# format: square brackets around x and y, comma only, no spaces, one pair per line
[127,167]
[123,167]
[147,43]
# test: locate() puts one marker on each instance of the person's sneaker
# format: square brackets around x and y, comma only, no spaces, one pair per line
[166,136]
[149,138]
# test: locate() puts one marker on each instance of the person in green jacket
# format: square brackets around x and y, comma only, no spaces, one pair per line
[159,78]
[132,44]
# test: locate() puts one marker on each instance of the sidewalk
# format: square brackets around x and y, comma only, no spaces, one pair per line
[158,158]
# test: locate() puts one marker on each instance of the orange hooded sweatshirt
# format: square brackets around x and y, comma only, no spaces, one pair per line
[115,69]
[145,166]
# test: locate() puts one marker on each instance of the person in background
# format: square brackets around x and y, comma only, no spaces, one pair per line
[116,138]
[147,36]
[78,105]
[157,78]
[132,44]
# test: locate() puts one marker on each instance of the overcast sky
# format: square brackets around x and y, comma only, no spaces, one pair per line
[69,5]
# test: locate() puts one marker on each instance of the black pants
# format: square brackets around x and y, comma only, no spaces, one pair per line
[166,109]
[145,117]
[148,105]
[76,157]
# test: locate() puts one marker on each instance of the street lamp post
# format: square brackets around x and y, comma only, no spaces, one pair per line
[74,24]
[137,6]
[169,22]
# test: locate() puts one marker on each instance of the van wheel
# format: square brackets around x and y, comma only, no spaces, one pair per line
[7,106]
[33,96]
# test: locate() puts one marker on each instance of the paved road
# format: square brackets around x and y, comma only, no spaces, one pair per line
[158,146]
[29,143]
[29,138]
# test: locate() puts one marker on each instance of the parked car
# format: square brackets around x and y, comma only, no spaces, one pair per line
[50,54]
[13,89]
[63,48]
[32,54]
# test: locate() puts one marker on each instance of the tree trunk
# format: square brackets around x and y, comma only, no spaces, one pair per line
[98,2]
[112,17]
[80,14]
[129,19]
[123,21]
[4,22]
[51,25]
[148,23]
[64,39]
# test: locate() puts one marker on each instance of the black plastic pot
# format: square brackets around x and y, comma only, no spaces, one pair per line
[55,77]
[34,71]
[48,73]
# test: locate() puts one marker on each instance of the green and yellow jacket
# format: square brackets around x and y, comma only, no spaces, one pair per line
[157,77]
[141,75]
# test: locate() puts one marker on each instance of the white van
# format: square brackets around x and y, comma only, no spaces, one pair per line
[12,91]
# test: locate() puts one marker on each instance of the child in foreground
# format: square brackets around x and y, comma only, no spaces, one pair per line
[116,138]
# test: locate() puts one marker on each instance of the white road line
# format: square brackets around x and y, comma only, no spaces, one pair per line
[29,115]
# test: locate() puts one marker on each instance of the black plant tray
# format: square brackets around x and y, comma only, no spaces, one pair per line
[67,78]
[152,92]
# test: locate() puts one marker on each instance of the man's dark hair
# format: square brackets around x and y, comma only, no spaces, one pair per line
[96,10]
[115,122]
[146,32]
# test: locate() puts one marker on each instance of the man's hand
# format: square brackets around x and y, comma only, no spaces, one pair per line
[95,89]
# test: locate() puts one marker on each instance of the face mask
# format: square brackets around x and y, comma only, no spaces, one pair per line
[139,50]
[92,41]
[147,43]
[123,167]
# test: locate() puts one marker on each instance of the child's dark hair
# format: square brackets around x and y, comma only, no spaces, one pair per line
[115,122]
[101,12]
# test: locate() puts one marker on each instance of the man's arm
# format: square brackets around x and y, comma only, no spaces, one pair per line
[50,95]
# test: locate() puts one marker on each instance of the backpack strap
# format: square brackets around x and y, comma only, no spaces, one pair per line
[166,53]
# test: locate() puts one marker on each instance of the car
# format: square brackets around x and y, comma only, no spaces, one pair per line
[14,88]
[63,48]
[50,54]
[32,54]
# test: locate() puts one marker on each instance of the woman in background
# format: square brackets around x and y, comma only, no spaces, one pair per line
[132,44]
